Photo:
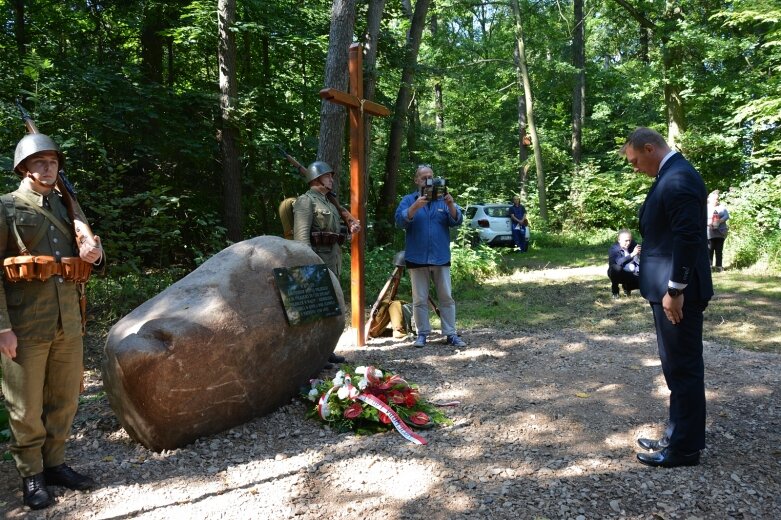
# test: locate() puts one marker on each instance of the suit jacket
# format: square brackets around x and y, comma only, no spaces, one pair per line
[675,246]
[616,258]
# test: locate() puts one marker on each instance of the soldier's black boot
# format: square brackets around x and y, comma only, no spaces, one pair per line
[63,475]
[36,496]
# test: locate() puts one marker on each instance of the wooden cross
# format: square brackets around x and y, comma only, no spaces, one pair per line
[358,107]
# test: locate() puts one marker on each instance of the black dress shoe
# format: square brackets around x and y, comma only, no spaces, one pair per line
[667,458]
[653,444]
[335,358]
[36,496]
[63,475]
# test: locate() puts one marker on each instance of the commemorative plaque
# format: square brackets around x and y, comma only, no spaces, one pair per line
[307,293]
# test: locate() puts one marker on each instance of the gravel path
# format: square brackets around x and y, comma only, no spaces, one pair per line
[545,430]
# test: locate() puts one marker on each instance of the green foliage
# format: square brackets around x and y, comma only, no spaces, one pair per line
[112,297]
[755,222]
[602,199]
[472,264]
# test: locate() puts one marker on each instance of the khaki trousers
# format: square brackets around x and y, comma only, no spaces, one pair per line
[41,388]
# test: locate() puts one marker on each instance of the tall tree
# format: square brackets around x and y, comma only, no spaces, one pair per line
[19,29]
[387,200]
[370,39]
[529,100]
[333,116]
[231,175]
[579,89]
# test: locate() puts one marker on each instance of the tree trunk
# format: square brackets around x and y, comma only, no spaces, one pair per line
[231,176]
[20,32]
[387,201]
[579,89]
[332,116]
[439,104]
[523,139]
[152,43]
[527,90]
[370,37]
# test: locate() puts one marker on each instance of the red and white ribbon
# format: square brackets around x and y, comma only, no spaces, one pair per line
[400,425]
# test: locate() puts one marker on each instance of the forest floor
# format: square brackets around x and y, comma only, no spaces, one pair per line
[545,429]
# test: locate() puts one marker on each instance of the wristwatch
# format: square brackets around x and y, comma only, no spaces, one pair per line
[673,292]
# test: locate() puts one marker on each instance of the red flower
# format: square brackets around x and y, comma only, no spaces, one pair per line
[419,418]
[384,419]
[410,398]
[353,411]
[397,397]
[382,397]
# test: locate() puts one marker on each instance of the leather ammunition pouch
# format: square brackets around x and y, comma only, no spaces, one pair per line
[324,238]
[41,268]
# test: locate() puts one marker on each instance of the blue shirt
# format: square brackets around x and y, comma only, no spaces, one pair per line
[427,235]
[518,212]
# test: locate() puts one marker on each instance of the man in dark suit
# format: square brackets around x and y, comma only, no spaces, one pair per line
[623,260]
[675,279]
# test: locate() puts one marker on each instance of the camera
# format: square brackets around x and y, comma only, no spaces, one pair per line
[435,188]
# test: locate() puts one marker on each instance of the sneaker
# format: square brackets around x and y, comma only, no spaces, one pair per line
[420,342]
[454,340]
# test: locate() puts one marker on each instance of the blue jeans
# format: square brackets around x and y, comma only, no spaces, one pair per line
[519,237]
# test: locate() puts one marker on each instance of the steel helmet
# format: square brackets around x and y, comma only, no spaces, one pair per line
[32,144]
[317,169]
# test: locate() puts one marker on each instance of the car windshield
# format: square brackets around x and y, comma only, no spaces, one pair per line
[497,211]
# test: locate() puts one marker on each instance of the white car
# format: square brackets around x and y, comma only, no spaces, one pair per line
[492,222]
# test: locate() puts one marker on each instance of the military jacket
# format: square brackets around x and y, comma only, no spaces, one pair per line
[312,213]
[33,308]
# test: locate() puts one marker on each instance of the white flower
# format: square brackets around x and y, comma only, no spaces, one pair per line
[360,370]
[378,373]
[363,383]
[343,392]
[339,375]
[313,393]
[339,379]
[315,382]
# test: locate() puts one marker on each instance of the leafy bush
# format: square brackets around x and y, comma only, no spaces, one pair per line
[602,199]
[112,297]
[755,222]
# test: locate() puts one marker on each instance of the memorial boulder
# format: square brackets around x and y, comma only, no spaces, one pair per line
[218,348]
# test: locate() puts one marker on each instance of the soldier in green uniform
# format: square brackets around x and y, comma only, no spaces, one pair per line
[316,222]
[40,321]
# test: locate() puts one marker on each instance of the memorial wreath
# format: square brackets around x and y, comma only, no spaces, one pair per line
[367,399]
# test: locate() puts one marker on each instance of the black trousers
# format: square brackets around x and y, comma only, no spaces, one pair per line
[716,246]
[680,350]
[627,280]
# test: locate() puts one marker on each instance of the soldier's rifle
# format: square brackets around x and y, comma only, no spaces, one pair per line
[343,212]
[80,227]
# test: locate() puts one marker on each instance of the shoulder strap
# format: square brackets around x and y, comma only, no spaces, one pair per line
[45,212]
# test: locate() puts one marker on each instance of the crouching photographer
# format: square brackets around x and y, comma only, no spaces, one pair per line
[426,215]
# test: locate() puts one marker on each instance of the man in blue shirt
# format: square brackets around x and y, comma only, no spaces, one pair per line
[518,220]
[427,254]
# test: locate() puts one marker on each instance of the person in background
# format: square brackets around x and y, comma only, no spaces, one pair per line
[624,264]
[675,278]
[716,223]
[427,226]
[41,323]
[517,222]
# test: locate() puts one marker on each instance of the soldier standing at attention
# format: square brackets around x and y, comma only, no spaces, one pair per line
[40,320]
[317,223]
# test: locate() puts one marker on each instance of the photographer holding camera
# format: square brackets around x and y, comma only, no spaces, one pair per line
[426,216]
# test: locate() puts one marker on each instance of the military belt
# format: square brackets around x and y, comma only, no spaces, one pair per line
[41,268]
[324,238]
